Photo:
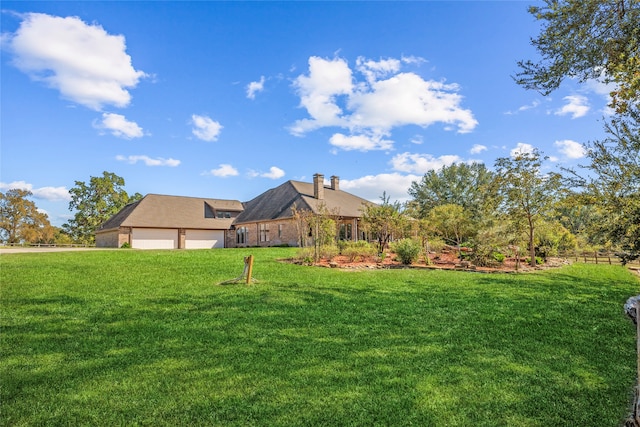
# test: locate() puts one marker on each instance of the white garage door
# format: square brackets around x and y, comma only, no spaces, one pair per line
[154,238]
[204,239]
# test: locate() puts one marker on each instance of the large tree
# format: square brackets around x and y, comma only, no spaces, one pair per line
[466,185]
[585,40]
[615,189]
[598,39]
[94,203]
[527,195]
[20,219]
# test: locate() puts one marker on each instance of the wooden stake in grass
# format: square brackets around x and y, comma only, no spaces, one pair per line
[248,267]
[246,273]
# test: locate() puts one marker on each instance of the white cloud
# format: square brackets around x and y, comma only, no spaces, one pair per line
[577,106]
[274,173]
[52,194]
[255,87]
[571,149]
[360,142]
[119,126]
[422,163]
[327,79]
[522,148]
[83,62]
[224,170]
[371,187]
[148,161]
[205,128]
[478,148]
[385,99]
[374,70]
[417,139]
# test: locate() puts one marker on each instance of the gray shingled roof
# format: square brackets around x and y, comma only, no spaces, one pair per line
[160,211]
[277,202]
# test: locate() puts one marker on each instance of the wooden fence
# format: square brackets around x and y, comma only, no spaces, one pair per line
[590,257]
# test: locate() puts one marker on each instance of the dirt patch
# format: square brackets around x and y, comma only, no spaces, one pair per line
[442,261]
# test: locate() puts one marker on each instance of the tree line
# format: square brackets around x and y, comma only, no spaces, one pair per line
[516,204]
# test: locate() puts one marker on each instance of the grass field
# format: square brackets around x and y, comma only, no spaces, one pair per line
[130,337]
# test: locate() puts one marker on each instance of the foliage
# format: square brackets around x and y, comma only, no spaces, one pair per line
[587,40]
[21,221]
[451,222]
[615,189]
[527,195]
[95,203]
[146,338]
[552,238]
[499,257]
[407,250]
[466,185]
[125,245]
[382,221]
[359,249]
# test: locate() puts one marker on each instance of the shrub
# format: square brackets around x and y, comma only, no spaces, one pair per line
[361,248]
[125,245]
[499,257]
[408,250]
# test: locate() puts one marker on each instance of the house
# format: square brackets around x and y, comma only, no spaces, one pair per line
[170,222]
[268,219]
[174,222]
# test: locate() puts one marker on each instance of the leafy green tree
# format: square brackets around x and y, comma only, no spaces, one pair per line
[95,203]
[466,185]
[452,222]
[20,220]
[382,221]
[614,183]
[584,40]
[527,195]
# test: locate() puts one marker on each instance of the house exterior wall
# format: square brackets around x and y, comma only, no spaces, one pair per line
[264,233]
[113,238]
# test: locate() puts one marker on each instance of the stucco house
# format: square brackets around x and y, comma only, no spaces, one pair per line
[175,222]
[170,222]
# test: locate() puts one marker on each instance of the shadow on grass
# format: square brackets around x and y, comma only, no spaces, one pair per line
[552,350]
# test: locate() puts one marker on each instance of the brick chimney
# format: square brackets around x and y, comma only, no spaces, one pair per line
[318,186]
[335,183]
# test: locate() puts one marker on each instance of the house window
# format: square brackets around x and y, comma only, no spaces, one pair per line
[279,231]
[345,231]
[241,235]
[264,232]
[223,214]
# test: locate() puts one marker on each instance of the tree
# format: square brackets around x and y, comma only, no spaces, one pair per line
[95,203]
[614,185]
[462,184]
[587,39]
[527,195]
[382,221]
[20,220]
[452,223]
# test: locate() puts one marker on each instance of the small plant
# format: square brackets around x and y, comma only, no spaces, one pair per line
[359,249]
[407,250]
[499,257]
[125,245]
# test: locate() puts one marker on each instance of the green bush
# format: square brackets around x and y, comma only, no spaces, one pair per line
[125,245]
[407,250]
[354,250]
[499,257]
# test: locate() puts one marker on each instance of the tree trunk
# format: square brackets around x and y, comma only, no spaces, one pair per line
[532,249]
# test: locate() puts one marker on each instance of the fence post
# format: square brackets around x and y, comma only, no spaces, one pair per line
[249,261]
[595,255]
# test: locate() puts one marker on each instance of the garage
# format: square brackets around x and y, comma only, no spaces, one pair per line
[154,238]
[204,239]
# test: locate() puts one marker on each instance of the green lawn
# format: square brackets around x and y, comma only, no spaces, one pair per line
[130,337]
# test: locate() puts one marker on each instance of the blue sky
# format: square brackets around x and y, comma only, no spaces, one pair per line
[228,99]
